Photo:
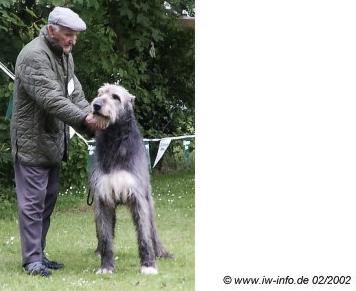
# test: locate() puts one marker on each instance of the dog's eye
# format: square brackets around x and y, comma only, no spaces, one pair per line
[116,97]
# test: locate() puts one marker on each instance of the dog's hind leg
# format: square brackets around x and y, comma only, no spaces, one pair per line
[105,222]
[159,249]
[141,216]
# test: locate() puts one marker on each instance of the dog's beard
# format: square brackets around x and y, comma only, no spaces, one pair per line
[102,120]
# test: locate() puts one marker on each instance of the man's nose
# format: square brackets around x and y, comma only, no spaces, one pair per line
[72,40]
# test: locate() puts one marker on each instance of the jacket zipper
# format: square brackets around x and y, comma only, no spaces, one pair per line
[65,154]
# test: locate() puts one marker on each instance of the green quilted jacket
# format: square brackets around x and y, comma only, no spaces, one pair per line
[47,98]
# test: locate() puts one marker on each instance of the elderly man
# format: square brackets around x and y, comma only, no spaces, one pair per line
[47,98]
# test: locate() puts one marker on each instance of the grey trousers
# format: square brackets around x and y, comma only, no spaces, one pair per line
[37,190]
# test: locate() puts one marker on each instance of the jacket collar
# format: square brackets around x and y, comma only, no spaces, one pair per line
[52,44]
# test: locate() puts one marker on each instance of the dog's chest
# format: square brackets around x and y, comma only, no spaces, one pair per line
[116,187]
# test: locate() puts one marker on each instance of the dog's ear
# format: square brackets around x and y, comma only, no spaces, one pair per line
[132,98]
[102,89]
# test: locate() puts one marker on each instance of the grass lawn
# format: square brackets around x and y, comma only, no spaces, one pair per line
[71,240]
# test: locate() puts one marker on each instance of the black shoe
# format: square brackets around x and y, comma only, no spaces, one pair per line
[51,264]
[37,268]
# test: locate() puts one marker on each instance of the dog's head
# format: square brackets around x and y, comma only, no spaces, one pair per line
[112,102]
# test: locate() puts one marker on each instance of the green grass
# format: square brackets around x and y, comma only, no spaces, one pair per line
[71,240]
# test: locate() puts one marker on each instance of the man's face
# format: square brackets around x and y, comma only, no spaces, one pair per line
[65,37]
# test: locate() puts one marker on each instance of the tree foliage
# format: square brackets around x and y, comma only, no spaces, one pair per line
[138,43]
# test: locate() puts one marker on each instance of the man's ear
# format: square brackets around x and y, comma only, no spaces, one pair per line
[50,30]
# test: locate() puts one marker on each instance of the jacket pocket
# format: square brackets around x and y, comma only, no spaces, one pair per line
[50,147]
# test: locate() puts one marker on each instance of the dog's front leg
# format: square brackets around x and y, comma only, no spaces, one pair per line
[105,221]
[141,216]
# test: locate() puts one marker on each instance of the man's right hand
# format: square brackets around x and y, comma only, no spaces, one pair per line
[94,124]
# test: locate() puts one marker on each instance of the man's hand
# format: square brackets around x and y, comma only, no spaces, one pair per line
[95,123]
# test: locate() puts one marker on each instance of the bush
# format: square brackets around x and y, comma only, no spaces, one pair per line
[175,159]
[8,203]
[6,167]
[74,172]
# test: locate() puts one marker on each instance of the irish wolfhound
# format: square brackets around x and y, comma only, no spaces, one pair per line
[120,175]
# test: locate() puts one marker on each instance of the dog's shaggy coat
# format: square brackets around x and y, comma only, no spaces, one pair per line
[120,175]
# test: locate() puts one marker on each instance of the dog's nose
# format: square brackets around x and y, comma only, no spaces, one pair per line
[96,107]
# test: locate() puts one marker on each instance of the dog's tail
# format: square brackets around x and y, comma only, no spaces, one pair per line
[160,250]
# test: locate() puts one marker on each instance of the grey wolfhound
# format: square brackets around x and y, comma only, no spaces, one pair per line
[120,175]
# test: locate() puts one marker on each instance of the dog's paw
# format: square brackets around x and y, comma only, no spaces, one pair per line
[149,270]
[104,271]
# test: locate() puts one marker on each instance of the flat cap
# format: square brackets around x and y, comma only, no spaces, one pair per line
[66,17]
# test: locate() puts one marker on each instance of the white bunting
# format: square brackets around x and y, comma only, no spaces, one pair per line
[91,149]
[163,145]
[147,146]
[71,132]
[186,144]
